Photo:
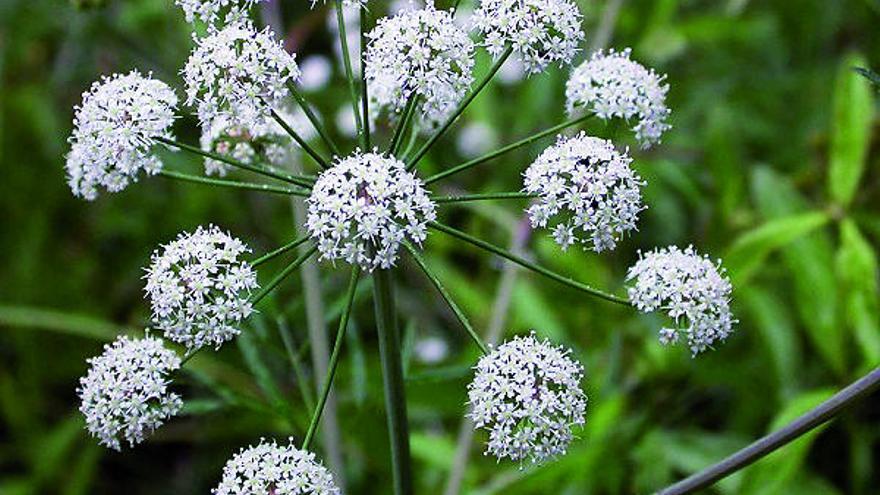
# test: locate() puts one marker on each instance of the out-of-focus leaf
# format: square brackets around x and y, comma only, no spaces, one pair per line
[772,319]
[83,471]
[751,249]
[51,453]
[857,272]
[434,450]
[58,321]
[531,310]
[850,131]
[260,370]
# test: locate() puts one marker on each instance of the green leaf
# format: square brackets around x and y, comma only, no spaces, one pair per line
[850,131]
[772,320]
[58,322]
[857,271]
[749,251]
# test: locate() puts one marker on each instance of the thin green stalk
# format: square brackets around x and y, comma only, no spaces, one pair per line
[349,73]
[447,297]
[811,419]
[365,103]
[527,264]
[316,122]
[460,198]
[320,160]
[281,250]
[334,358]
[392,381]
[458,111]
[296,363]
[403,124]
[235,163]
[281,276]
[510,147]
[249,186]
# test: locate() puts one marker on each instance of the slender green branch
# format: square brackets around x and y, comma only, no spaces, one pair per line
[365,103]
[447,297]
[526,263]
[458,110]
[818,415]
[316,122]
[249,186]
[281,276]
[403,124]
[349,73]
[320,160]
[281,250]
[510,147]
[460,198]
[235,163]
[334,358]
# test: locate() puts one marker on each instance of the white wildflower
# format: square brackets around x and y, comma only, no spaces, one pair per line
[316,72]
[419,53]
[239,73]
[269,468]
[691,289]
[364,207]
[208,11]
[476,138]
[541,32]
[114,131]
[612,85]
[527,394]
[587,192]
[198,287]
[125,395]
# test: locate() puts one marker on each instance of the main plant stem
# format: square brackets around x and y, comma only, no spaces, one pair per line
[392,380]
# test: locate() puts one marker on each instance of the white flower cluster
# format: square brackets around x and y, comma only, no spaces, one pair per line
[238,73]
[364,207]
[691,289]
[114,129]
[527,394]
[272,469]
[584,186]
[612,85]
[540,31]
[125,393]
[422,53]
[209,10]
[345,3]
[198,287]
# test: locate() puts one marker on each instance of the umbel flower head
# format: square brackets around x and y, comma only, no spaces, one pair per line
[199,287]
[364,207]
[269,468]
[527,394]
[114,131]
[541,31]
[209,10]
[422,53]
[125,395]
[612,85]
[238,73]
[587,192]
[691,289]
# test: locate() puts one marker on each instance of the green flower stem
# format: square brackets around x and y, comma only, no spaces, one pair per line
[403,124]
[811,419]
[281,250]
[526,263]
[249,186]
[392,381]
[334,358]
[292,179]
[447,297]
[316,122]
[281,276]
[365,103]
[510,147]
[458,111]
[349,73]
[461,198]
[320,160]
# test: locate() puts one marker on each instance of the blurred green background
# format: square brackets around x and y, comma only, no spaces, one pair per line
[770,166]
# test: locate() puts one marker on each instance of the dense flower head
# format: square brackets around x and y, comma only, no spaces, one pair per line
[125,395]
[269,468]
[364,207]
[586,190]
[199,287]
[690,288]
[541,31]
[238,73]
[612,85]
[208,11]
[114,131]
[527,394]
[420,53]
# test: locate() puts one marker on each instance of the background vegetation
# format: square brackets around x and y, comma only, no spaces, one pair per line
[769,166]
